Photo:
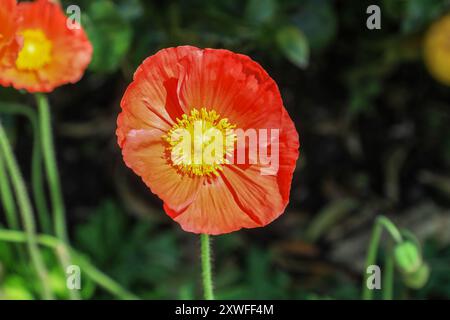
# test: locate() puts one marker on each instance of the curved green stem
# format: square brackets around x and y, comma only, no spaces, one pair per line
[391,228]
[26,212]
[7,197]
[89,269]
[381,222]
[48,149]
[206,267]
[36,162]
[8,204]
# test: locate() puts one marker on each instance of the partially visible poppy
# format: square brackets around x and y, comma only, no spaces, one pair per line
[178,87]
[52,54]
[437,50]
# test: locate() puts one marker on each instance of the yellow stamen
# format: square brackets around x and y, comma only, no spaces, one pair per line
[199,143]
[36,50]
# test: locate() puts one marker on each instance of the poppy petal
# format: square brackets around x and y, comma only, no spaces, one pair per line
[234,85]
[214,211]
[289,153]
[151,101]
[258,195]
[144,152]
[8,21]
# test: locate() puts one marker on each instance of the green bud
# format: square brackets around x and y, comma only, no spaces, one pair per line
[407,257]
[417,279]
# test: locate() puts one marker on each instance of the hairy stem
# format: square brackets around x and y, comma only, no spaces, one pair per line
[206,267]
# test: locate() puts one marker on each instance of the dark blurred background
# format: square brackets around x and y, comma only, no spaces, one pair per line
[374,133]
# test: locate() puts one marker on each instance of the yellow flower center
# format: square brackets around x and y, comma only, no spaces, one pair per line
[36,50]
[199,143]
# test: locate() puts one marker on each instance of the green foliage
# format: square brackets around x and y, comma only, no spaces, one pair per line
[419,13]
[294,45]
[136,256]
[317,20]
[109,32]
[260,11]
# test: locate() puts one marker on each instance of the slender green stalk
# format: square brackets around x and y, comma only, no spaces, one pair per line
[9,206]
[391,228]
[26,212]
[48,150]
[36,163]
[371,258]
[64,258]
[7,197]
[388,277]
[206,267]
[86,267]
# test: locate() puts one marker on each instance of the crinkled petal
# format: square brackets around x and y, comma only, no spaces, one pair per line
[151,100]
[234,85]
[214,211]
[144,152]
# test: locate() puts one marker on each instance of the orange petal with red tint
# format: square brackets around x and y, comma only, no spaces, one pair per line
[233,85]
[144,152]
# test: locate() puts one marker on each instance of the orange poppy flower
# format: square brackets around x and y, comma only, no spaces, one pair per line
[52,54]
[179,88]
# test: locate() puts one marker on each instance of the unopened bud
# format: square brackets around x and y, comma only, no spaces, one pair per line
[407,257]
[418,279]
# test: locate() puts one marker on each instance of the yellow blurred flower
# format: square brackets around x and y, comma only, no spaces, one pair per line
[437,50]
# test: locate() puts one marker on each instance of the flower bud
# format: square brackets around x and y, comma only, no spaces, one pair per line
[407,257]
[417,279]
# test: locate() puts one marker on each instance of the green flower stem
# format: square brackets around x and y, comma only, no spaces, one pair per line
[8,204]
[86,267]
[48,150]
[36,162]
[7,197]
[388,277]
[371,258]
[206,267]
[26,212]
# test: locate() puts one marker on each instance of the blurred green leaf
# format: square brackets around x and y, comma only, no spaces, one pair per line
[294,46]
[317,20]
[109,33]
[419,13]
[15,288]
[130,9]
[260,11]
